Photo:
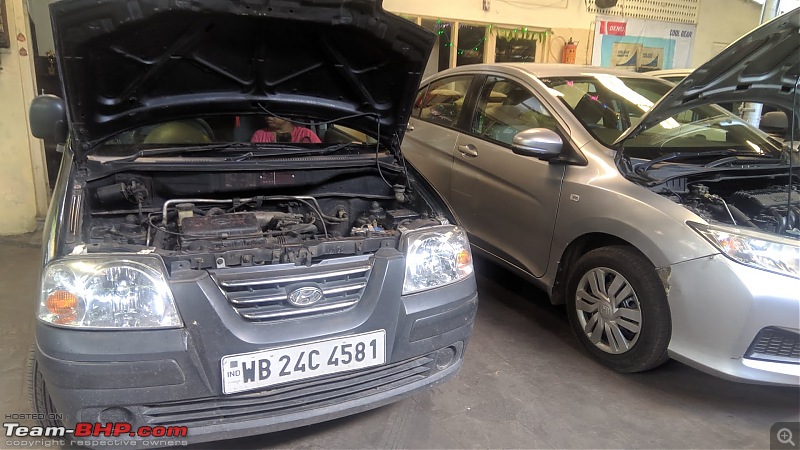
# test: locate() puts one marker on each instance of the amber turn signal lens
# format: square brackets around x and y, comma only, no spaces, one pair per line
[62,303]
[463,258]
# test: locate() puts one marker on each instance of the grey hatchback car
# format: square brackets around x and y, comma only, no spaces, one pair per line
[668,226]
[198,283]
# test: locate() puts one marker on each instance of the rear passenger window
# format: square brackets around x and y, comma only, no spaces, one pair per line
[443,100]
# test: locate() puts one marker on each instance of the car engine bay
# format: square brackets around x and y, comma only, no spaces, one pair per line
[761,204]
[244,219]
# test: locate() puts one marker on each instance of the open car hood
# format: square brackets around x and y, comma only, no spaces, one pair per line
[130,63]
[762,66]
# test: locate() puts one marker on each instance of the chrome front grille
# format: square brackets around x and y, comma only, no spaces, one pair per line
[262,293]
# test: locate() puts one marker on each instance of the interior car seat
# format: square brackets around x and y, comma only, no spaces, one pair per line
[594,113]
[598,118]
[503,122]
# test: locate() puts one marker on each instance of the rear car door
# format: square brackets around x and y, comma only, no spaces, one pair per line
[432,131]
[507,202]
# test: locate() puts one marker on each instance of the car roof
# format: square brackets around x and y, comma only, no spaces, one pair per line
[668,72]
[542,70]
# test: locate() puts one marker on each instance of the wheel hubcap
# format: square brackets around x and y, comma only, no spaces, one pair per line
[608,310]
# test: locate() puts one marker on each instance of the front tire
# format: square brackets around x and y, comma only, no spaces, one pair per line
[618,309]
[41,403]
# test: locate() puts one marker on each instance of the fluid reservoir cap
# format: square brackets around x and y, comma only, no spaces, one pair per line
[399,193]
[185,210]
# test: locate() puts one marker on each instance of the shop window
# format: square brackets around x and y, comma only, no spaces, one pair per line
[509,49]
[471,43]
[5,39]
[441,51]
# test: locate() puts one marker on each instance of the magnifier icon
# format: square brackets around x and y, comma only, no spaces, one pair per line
[784,436]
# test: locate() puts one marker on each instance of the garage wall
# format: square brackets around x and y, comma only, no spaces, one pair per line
[720,21]
[23,186]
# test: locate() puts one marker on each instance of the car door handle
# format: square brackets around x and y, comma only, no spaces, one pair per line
[468,150]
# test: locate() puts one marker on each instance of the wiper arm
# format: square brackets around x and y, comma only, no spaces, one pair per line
[253,150]
[744,159]
[179,150]
[295,151]
[681,155]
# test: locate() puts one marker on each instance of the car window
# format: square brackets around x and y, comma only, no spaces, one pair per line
[606,111]
[608,105]
[353,135]
[443,100]
[200,130]
[230,128]
[419,101]
[505,108]
[674,78]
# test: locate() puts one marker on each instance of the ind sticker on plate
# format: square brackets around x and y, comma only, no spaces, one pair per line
[248,371]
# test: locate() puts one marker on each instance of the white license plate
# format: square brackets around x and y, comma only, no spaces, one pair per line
[247,371]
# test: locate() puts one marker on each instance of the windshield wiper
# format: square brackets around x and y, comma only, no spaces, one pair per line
[744,159]
[294,151]
[730,155]
[179,150]
[252,150]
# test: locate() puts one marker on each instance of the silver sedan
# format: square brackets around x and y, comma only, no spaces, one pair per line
[670,228]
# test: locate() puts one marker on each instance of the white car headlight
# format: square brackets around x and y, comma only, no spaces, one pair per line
[435,257]
[107,293]
[754,249]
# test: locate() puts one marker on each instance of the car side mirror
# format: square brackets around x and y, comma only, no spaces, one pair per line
[775,122]
[48,116]
[537,142]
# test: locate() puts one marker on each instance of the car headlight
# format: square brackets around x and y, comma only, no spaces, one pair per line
[435,257]
[754,249]
[106,293]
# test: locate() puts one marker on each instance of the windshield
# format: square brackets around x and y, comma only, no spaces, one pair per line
[608,105]
[231,129]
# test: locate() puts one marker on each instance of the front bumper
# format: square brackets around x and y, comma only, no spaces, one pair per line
[723,311]
[173,377]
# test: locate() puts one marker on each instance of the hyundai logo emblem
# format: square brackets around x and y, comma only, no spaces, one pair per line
[305,296]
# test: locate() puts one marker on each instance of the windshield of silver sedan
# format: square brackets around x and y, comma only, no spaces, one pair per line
[607,105]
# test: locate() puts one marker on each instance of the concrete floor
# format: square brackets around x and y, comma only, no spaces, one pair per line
[525,384]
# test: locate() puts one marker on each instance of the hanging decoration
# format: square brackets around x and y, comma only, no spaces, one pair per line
[444,34]
[521,33]
[507,33]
